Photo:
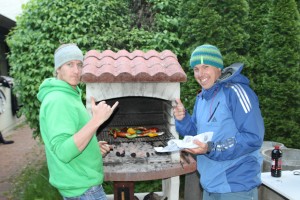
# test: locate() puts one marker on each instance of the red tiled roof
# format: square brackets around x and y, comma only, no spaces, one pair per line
[138,66]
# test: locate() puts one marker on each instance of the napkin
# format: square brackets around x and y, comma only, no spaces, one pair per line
[185,143]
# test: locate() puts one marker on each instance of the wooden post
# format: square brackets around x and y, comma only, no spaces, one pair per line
[123,190]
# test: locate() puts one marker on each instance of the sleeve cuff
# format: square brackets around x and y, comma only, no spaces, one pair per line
[210,147]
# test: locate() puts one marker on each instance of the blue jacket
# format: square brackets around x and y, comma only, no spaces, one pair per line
[231,110]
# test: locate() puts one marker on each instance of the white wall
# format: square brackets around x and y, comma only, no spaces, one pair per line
[11,8]
[7,120]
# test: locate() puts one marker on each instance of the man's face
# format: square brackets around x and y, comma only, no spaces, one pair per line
[206,75]
[70,72]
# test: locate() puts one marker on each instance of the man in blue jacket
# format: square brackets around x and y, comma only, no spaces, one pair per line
[230,164]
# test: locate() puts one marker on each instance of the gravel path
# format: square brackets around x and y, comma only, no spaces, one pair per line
[15,157]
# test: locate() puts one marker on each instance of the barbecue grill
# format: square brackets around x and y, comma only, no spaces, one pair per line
[145,84]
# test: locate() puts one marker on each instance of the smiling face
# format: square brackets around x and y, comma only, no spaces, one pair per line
[70,72]
[206,75]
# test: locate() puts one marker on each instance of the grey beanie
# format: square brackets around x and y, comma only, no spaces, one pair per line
[66,53]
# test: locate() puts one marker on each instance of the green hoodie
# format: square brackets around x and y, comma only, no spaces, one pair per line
[62,114]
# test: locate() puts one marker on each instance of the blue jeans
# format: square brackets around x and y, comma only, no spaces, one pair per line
[249,195]
[94,193]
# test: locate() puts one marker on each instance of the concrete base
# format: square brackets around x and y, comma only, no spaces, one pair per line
[265,193]
[192,187]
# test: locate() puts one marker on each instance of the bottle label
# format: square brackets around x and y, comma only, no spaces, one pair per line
[279,163]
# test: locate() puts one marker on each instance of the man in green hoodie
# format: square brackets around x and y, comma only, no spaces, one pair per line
[73,154]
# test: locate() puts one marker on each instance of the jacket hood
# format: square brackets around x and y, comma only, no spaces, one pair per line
[53,84]
[230,74]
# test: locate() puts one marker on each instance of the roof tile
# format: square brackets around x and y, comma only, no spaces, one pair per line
[137,66]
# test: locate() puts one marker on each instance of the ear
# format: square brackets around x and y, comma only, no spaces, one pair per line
[219,72]
[57,72]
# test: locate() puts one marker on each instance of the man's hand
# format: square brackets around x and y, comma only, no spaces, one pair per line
[201,149]
[179,110]
[104,147]
[102,111]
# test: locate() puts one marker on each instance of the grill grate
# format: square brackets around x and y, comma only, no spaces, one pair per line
[105,136]
[136,120]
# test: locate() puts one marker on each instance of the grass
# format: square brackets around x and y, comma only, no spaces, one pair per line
[32,184]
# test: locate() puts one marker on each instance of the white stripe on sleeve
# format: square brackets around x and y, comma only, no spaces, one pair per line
[243,97]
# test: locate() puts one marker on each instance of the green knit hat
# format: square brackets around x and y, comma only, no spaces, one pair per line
[207,54]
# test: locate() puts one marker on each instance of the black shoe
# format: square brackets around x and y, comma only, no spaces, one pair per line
[5,141]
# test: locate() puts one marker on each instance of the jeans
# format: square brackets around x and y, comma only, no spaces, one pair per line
[94,193]
[249,195]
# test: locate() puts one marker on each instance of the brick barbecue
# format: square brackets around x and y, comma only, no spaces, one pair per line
[145,84]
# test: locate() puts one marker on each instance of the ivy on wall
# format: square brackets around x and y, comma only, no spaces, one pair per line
[91,24]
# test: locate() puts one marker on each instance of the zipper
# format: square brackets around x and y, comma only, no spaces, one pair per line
[213,112]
